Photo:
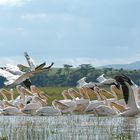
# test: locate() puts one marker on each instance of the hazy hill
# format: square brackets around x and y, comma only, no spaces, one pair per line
[131,66]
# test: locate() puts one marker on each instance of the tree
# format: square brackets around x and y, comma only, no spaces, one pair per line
[67,68]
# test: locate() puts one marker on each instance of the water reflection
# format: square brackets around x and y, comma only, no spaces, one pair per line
[71,127]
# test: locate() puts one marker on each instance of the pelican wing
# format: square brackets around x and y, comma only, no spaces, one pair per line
[22,78]
[42,70]
[101,78]
[13,69]
[40,66]
[30,61]
[9,76]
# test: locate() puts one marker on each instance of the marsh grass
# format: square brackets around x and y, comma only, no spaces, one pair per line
[69,127]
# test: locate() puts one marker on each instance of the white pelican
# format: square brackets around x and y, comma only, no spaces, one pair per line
[66,95]
[81,103]
[39,93]
[48,111]
[22,98]
[11,111]
[32,107]
[118,93]
[101,79]
[64,106]
[8,93]
[15,76]
[83,83]
[104,110]
[93,103]
[129,96]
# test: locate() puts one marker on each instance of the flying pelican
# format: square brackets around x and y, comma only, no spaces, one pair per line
[83,83]
[102,80]
[14,76]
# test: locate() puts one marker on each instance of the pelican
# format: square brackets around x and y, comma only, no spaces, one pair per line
[48,111]
[39,93]
[8,93]
[66,95]
[104,110]
[14,76]
[102,80]
[83,83]
[64,106]
[22,98]
[32,107]
[129,95]
[81,103]
[13,79]
[11,111]
[117,92]
[93,103]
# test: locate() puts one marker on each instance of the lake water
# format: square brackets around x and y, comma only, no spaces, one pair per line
[70,127]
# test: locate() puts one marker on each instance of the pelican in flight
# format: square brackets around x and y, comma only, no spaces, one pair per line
[82,83]
[15,76]
[102,80]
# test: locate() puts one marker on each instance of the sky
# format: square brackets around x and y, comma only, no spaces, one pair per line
[74,32]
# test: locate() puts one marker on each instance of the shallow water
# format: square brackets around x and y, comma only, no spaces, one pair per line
[70,127]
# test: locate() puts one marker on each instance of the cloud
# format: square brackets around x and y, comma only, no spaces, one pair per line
[75,62]
[32,17]
[14,60]
[14,31]
[95,62]
[12,2]
[49,16]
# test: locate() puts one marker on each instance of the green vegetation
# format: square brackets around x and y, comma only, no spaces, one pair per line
[54,93]
[68,76]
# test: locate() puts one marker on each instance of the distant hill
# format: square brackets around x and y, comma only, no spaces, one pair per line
[131,66]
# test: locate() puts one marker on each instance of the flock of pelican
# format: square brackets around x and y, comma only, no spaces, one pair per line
[86,98]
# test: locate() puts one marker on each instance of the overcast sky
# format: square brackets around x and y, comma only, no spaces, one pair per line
[71,32]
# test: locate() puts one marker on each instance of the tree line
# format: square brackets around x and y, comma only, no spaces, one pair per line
[68,76]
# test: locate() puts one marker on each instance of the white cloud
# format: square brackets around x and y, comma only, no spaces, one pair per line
[38,16]
[12,60]
[15,31]
[13,2]
[96,62]
[49,16]
[75,62]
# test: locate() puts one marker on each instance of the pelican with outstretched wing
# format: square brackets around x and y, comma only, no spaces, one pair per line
[14,78]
